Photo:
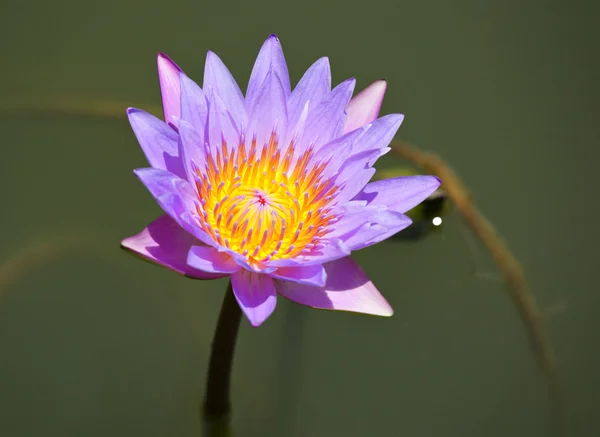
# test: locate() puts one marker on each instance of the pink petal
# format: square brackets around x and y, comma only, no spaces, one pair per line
[255,294]
[347,289]
[364,107]
[165,243]
[168,76]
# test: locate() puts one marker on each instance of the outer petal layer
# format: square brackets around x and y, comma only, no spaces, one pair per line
[157,140]
[380,227]
[255,294]
[164,242]
[308,275]
[175,196]
[364,107]
[364,226]
[209,259]
[356,172]
[347,289]
[168,76]
[399,194]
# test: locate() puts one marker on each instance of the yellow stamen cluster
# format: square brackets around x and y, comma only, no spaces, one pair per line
[264,204]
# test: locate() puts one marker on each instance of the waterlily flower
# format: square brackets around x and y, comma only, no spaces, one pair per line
[271,188]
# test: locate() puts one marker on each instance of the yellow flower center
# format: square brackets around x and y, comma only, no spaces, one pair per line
[261,204]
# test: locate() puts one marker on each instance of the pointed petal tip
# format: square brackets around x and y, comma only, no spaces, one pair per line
[435,182]
[376,90]
[255,323]
[397,118]
[348,288]
[255,294]
[165,243]
[380,84]
[322,62]
[429,183]
[364,107]
[386,312]
[168,77]
[162,60]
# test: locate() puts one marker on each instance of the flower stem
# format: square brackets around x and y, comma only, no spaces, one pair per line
[218,378]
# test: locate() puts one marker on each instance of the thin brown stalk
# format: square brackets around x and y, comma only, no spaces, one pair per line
[508,265]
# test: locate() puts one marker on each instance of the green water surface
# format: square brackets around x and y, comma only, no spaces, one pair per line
[94,342]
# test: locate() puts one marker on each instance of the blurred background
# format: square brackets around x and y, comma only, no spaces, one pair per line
[94,342]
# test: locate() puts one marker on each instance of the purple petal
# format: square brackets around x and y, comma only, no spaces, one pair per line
[347,289]
[270,58]
[296,134]
[221,126]
[366,226]
[168,76]
[364,107]
[354,174]
[191,150]
[194,107]
[164,242]
[334,248]
[336,152]
[218,77]
[379,133]
[313,87]
[268,109]
[176,197]
[158,141]
[255,294]
[399,194]
[326,120]
[209,259]
[352,215]
[308,275]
